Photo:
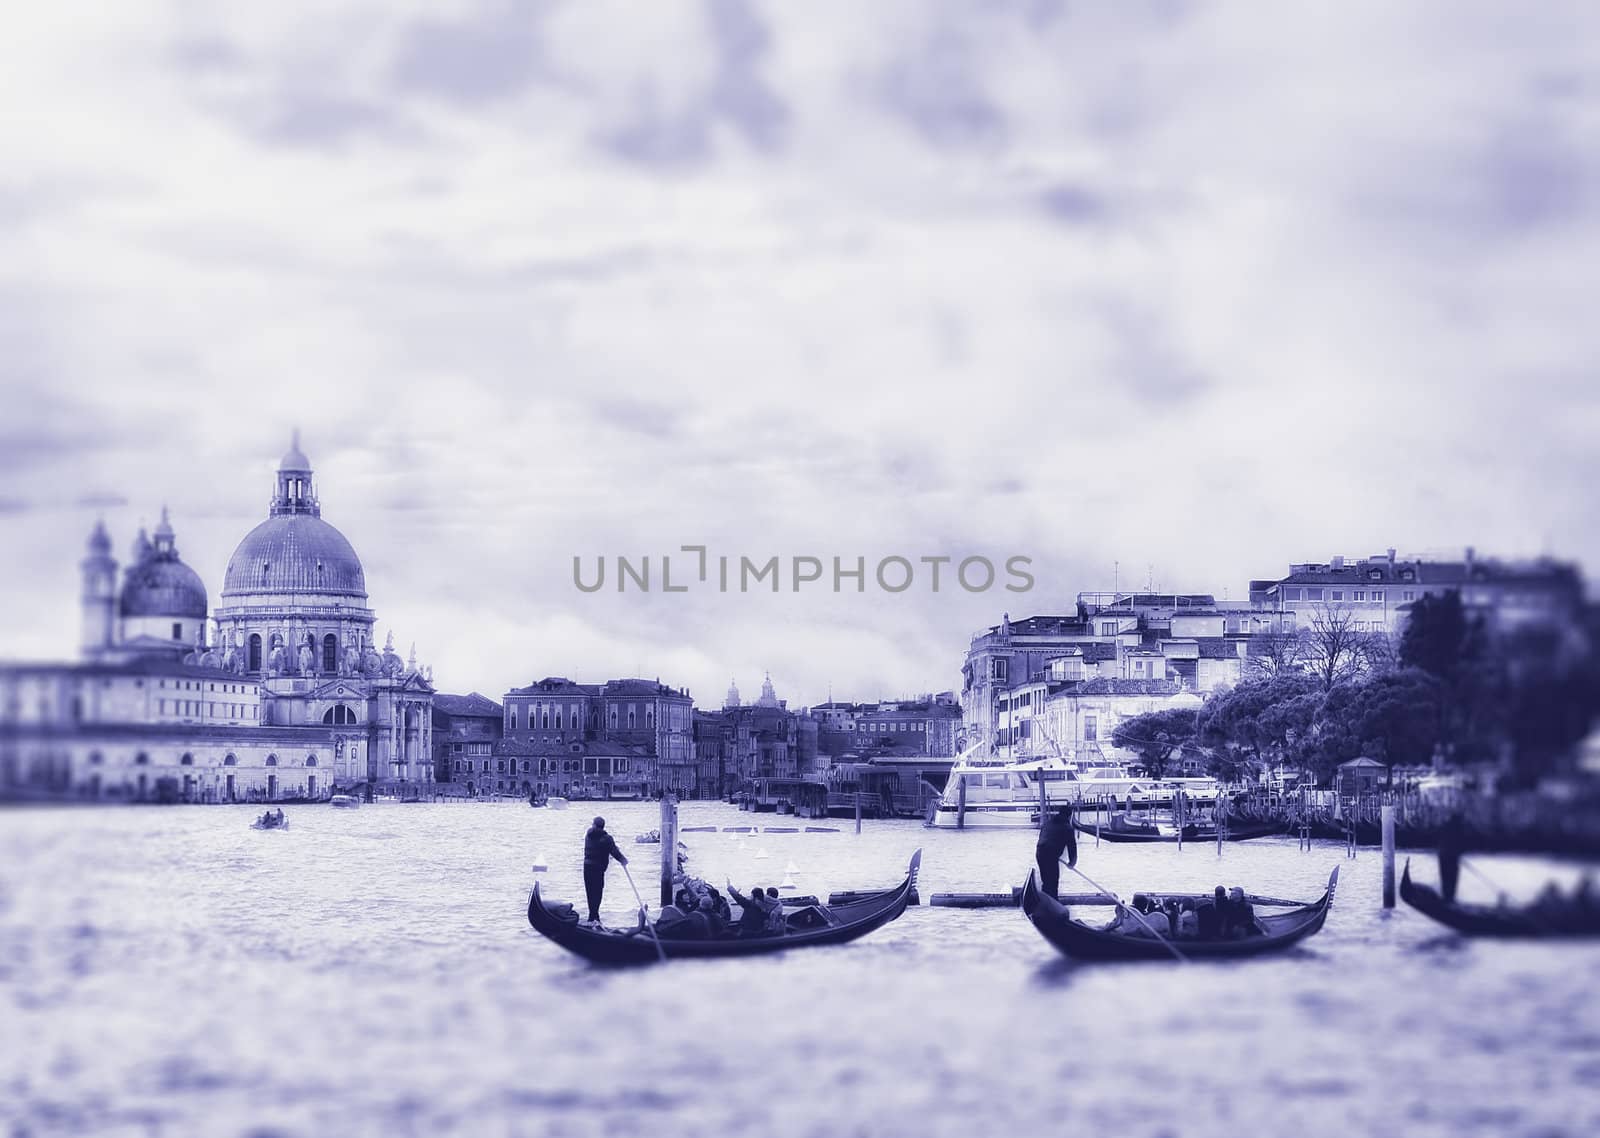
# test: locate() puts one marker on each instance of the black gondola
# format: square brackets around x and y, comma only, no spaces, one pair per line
[606,946]
[1085,942]
[1191,833]
[1492,920]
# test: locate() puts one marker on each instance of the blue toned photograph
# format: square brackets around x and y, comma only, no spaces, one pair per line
[734,568]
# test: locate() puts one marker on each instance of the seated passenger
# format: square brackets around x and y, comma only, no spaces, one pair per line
[1244,914]
[1156,923]
[752,910]
[1207,918]
[777,922]
[715,925]
[1188,922]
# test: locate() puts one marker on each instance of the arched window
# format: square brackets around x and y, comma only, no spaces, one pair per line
[330,653]
[187,760]
[230,761]
[339,714]
[255,651]
[272,760]
[141,759]
[311,760]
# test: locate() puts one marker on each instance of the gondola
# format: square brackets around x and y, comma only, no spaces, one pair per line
[1491,920]
[1086,942]
[607,946]
[1191,833]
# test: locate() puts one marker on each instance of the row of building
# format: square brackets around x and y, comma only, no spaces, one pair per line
[280,691]
[1061,684]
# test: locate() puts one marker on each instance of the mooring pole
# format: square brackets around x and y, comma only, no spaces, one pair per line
[858,811]
[1041,799]
[669,846]
[961,802]
[1387,815]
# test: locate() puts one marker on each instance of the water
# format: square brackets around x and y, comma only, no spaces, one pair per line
[172,972]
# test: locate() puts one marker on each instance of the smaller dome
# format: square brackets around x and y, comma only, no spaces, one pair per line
[163,587]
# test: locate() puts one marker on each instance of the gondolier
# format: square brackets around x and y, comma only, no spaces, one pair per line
[1055,838]
[598,850]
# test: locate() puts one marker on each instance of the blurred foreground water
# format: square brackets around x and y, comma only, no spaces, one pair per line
[172,972]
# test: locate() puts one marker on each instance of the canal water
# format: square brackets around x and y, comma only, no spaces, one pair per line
[169,971]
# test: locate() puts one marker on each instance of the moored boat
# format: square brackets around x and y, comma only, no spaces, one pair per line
[1087,942]
[998,793]
[833,924]
[1166,832]
[1530,922]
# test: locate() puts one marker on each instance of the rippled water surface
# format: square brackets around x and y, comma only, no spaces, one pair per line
[171,971]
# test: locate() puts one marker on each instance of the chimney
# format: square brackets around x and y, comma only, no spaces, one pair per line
[1470,558]
[1391,555]
[1338,563]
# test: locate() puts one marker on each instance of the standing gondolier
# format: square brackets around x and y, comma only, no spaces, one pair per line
[1055,838]
[598,850]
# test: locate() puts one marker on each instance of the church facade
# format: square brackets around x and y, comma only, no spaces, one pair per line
[280,693]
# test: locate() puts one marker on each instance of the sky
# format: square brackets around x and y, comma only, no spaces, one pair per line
[1162,293]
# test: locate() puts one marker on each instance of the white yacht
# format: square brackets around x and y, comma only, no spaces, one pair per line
[999,793]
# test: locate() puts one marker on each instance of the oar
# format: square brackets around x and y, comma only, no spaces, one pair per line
[661,952]
[1149,928]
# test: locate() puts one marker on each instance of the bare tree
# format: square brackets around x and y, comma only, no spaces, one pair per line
[1334,649]
[1274,654]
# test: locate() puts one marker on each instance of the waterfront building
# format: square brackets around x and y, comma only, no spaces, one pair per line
[1375,594]
[1075,720]
[279,694]
[925,727]
[741,742]
[1186,639]
[465,730]
[625,738]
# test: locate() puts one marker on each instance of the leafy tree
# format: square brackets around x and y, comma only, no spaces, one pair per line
[1257,722]
[1156,736]
[1395,718]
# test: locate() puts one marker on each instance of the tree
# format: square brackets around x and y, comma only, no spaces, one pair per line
[1397,718]
[1156,735]
[1334,649]
[1274,653]
[1257,722]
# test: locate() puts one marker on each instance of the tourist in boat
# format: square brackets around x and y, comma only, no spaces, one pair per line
[1056,837]
[1244,914]
[752,910]
[776,921]
[598,850]
[1208,915]
[1188,921]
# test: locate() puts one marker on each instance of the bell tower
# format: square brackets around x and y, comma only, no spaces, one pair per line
[99,596]
[295,494]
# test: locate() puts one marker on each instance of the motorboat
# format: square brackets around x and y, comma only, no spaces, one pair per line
[344,801]
[999,793]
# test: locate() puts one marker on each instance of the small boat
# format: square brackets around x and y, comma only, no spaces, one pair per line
[1495,921]
[1086,942]
[651,837]
[345,801]
[259,824]
[1166,832]
[556,802]
[838,924]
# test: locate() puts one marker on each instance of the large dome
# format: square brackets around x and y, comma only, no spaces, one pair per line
[163,587]
[294,553]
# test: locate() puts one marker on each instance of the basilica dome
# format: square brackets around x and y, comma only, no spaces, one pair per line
[163,587]
[157,582]
[294,553]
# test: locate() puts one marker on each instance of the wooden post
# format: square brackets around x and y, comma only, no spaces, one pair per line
[961,802]
[1177,816]
[1387,814]
[1041,800]
[858,811]
[669,846]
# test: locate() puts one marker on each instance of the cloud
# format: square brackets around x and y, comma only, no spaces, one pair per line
[1184,289]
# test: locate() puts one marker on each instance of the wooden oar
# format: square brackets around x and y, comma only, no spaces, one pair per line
[661,952]
[1149,928]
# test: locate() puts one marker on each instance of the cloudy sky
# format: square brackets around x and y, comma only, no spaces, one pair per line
[1148,292]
